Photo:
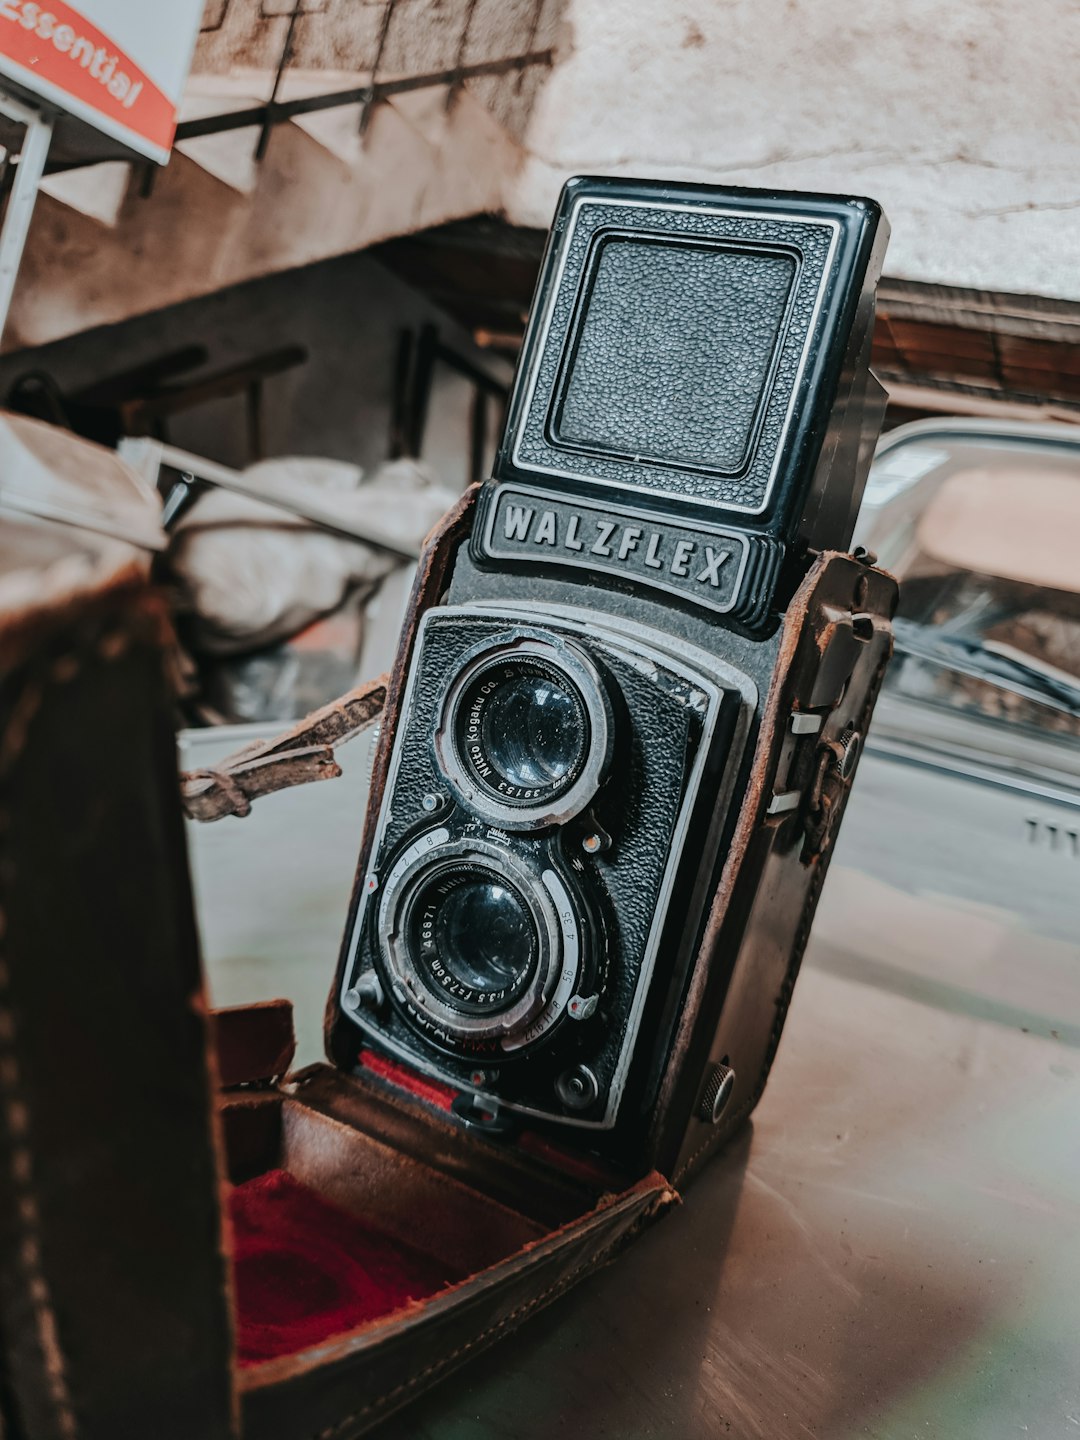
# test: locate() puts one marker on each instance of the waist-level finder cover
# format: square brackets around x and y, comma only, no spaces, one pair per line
[698,357]
[573,816]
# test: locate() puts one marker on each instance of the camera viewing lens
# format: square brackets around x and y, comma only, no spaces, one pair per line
[474,936]
[523,731]
[532,731]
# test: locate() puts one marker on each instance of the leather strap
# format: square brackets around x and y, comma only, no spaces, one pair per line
[296,757]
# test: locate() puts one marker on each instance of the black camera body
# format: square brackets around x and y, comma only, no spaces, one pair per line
[584,800]
[514,935]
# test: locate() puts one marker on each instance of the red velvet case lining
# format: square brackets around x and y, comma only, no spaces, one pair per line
[395,1073]
[305,1270]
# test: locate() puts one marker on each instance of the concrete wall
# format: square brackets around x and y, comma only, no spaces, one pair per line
[960,118]
[343,36]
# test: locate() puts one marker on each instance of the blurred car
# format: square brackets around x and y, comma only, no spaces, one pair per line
[957,872]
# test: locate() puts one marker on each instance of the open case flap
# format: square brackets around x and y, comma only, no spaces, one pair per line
[376,1245]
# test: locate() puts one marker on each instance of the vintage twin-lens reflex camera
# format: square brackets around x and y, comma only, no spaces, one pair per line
[631,695]
[615,748]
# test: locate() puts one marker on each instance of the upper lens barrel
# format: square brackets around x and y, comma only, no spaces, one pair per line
[532,730]
[523,731]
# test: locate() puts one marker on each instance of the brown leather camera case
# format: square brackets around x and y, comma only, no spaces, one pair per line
[197,1243]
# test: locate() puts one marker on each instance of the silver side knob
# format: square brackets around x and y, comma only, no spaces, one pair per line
[847,753]
[582,1007]
[717,1093]
[367,990]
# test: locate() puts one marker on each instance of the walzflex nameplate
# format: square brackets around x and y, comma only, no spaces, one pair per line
[704,565]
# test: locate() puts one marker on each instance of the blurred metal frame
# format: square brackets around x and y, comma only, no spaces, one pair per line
[150,458]
[418,356]
[30,167]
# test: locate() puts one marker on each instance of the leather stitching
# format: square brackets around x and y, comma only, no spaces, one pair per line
[340,1427]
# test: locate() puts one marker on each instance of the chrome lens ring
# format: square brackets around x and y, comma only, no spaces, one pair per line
[419,975]
[524,736]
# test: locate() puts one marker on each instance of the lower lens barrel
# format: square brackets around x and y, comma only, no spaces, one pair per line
[473,936]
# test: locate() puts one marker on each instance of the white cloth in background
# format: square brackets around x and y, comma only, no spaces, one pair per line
[254,574]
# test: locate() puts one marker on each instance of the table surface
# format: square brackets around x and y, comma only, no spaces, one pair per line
[891,1249]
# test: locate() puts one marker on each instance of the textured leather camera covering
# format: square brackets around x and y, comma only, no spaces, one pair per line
[695,276]
[645,805]
[699,300]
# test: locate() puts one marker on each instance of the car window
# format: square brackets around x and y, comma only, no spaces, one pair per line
[1034,632]
[987,550]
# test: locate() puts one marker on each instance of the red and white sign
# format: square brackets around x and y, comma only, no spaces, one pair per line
[120,65]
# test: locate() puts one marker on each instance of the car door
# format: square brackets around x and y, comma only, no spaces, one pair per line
[957,871]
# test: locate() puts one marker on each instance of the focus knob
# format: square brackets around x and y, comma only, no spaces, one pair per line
[718,1089]
[846,752]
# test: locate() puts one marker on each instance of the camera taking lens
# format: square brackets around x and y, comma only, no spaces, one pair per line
[471,932]
[485,949]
